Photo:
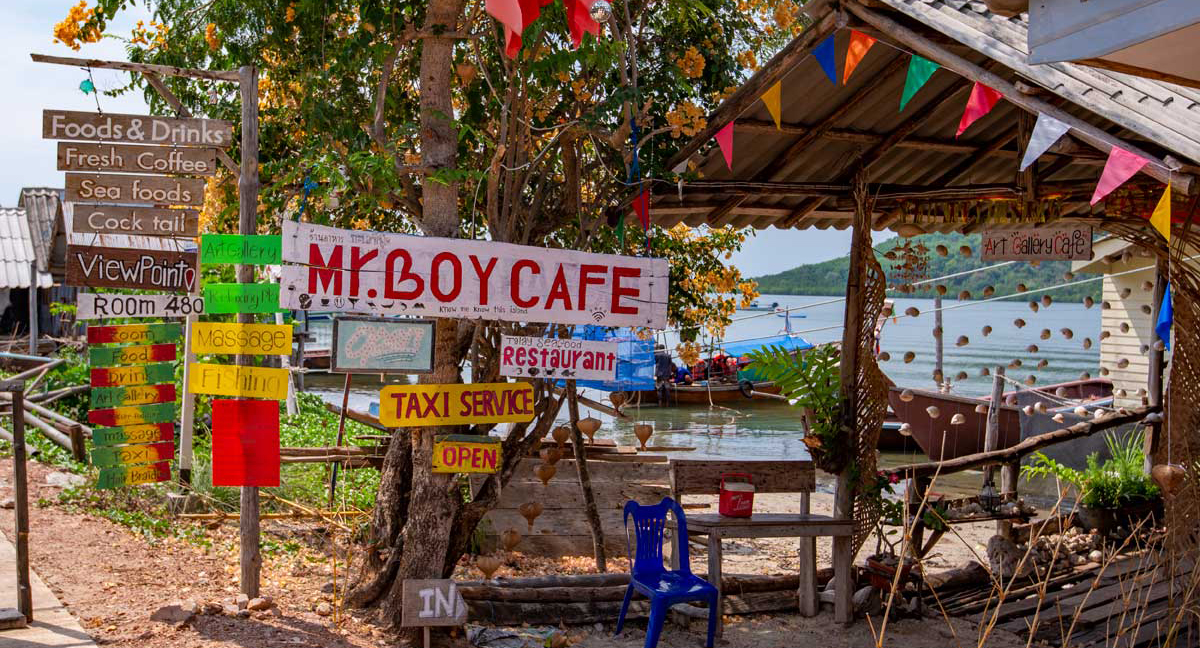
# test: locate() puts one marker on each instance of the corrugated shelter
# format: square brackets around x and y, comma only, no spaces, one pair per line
[800,175]
[17,251]
[43,208]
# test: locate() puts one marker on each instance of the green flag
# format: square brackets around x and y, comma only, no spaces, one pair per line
[919,71]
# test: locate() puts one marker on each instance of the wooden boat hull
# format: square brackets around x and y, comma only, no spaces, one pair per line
[699,394]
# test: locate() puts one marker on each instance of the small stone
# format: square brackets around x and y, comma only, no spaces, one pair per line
[1096,556]
[242,601]
[211,608]
[324,609]
[229,609]
[1077,559]
[244,614]
[599,627]
[64,479]
[261,616]
[190,606]
[327,588]
[173,614]
[7,503]
[11,619]
[259,604]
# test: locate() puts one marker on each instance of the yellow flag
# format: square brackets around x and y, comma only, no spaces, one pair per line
[772,99]
[1161,218]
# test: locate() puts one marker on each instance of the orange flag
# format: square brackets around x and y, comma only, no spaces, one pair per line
[859,44]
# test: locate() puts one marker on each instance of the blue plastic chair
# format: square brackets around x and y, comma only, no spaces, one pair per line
[663,587]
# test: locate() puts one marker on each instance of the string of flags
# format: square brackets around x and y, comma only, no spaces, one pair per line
[517,15]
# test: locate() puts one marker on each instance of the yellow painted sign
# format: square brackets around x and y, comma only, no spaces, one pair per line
[262,339]
[415,405]
[232,380]
[462,453]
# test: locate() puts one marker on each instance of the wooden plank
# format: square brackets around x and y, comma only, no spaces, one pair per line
[159,372]
[150,433]
[1043,243]
[109,158]
[432,603]
[608,471]
[132,475]
[231,380]
[135,415]
[253,249]
[703,477]
[105,305]
[129,455]
[134,333]
[103,397]
[167,70]
[241,298]
[564,494]
[130,355]
[230,338]
[100,267]
[140,189]
[139,221]
[135,129]
[461,453]
[181,110]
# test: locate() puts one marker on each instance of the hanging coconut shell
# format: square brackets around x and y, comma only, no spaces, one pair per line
[1030,379]
[1033,306]
[1085,375]
[888,311]
[1045,334]
[937,331]
[1144,349]
[1068,276]
[551,455]
[1120,393]
[1124,327]
[617,399]
[1098,413]
[530,511]
[937,376]
[962,375]
[905,429]
[1058,418]
[987,330]
[1019,323]
[1046,301]
[561,434]
[933,411]
[906,396]
[962,341]
[510,538]
[1043,363]
[985,372]
[643,431]
[1104,335]
[1039,407]
[1081,411]
[964,295]
[909,356]
[941,290]
[965,250]
[1032,348]
[912,311]
[1087,343]
[589,426]
[1146,309]
[1141,391]
[1104,371]
[1148,286]
[545,472]
[890,255]
[1125,292]
[941,250]
[988,291]
[981,409]
[1066,333]
[488,565]
[1028,410]
[884,356]
[1016,362]
[1159,345]
[1010,400]
[1061,392]
[1105,305]
[1122,363]
[958,419]
[1169,477]
[1088,302]
[1022,287]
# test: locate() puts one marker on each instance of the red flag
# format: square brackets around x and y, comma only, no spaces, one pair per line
[579,19]
[528,11]
[245,442]
[1121,166]
[724,139]
[641,205]
[982,100]
[860,43]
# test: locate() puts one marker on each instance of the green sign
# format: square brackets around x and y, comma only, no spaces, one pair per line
[252,249]
[104,397]
[241,298]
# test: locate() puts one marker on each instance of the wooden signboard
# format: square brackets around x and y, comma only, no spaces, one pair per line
[152,190]
[135,334]
[251,249]
[149,433]
[241,298]
[537,357]
[1044,243]
[133,475]
[128,455]
[234,380]
[258,339]
[167,160]
[329,269]
[103,397]
[135,415]
[466,453]
[147,374]
[415,405]
[100,267]
[135,129]
[137,221]
[433,602]
[127,355]
[102,306]
[382,345]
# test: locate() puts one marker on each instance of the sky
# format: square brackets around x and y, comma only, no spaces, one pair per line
[30,160]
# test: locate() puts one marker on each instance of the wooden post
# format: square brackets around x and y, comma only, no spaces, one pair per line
[1154,379]
[333,473]
[938,348]
[33,308]
[991,438]
[248,525]
[21,495]
[585,482]
[187,415]
[78,445]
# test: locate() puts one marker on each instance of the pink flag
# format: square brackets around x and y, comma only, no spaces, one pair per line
[981,102]
[579,19]
[507,12]
[725,141]
[1121,166]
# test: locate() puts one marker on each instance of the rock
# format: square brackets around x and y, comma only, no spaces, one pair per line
[173,614]
[7,503]
[1096,556]
[211,608]
[261,616]
[1006,558]
[190,606]
[327,588]
[864,598]
[244,614]
[259,604]
[229,609]
[11,619]
[1077,559]
[242,601]
[324,609]
[65,480]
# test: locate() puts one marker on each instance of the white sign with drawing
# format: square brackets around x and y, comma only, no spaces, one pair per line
[434,602]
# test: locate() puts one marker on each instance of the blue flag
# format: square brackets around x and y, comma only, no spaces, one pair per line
[1165,318]
[826,56]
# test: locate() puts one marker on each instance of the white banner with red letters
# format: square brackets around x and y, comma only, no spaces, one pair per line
[330,269]
[535,357]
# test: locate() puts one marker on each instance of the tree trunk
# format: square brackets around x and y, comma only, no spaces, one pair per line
[385,544]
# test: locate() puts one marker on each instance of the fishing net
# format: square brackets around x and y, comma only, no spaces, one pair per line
[871,404]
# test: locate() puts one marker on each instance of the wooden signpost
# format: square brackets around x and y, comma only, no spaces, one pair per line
[153,190]
[537,357]
[241,298]
[417,405]
[147,374]
[1043,243]
[134,334]
[433,602]
[378,345]
[255,339]
[127,355]
[100,267]
[466,453]
[103,397]
[135,129]
[133,475]
[252,249]
[133,415]
[140,221]
[236,380]
[148,433]
[104,158]
[102,306]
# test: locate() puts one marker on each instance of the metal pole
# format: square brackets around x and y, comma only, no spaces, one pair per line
[21,492]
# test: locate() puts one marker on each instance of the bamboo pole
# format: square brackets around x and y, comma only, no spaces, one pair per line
[21,497]
[167,70]
[991,435]
[585,481]
[61,440]
[53,395]
[34,371]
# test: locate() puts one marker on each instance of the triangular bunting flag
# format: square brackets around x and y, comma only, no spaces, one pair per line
[919,71]
[1161,218]
[1046,132]
[641,204]
[507,12]
[1166,317]
[981,102]
[1121,166]
[773,100]
[826,56]
[529,10]
[724,139]
[859,44]
[579,19]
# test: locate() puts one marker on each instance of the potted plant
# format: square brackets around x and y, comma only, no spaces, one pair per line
[810,382]
[1112,494]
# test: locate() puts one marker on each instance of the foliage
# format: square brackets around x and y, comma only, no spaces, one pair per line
[810,381]
[829,277]
[1118,482]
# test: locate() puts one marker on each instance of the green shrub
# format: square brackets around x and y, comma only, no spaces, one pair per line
[1118,482]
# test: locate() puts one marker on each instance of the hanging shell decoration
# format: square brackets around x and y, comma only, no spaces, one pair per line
[1046,301]
[1019,323]
[937,331]
[1146,309]
[1147,286]
[964,295]
[1098,413]
[912,311]
[1104,335]
[1104,371]
[988,291]
[545,472]
[561,434]
[906,396]
[1169,477]
[962,375]
[589,426]
[1125,292]
[1085,375]
[1081,411]
[884,356]
[1016,362]
[905,429]
[987,330]
[510,539]
[1144,349]
[962,341]
[933,411]
[530,511]
[1028,410]
[1045,334]
[617,399]
[488,565]
[941,289]
[1043,363]
[1033,306]
[938,376]
[1061,392]
[1120,393]
[909,356]
[1032,348]
[888,311]
[1058,418]
[1141,391]
[1124,327]
[1030,379]
[985,372]
[1010,400]
[643,431]
[958,419]
[1039,407]
[1088,302]
[965,250]
[551,455]
[941,250]
[1067,333]
[1087,343]
[1159,345]
[1122,363]
[1022,287]
[1105,305]
[981,409]
[1068,276]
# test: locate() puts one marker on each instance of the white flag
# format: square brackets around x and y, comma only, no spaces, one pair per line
[1046,132]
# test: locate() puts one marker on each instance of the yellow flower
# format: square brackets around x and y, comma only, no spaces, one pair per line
[691,64]
[290,15]
[210,37]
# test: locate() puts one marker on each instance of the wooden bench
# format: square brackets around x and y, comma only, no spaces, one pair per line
[703,477]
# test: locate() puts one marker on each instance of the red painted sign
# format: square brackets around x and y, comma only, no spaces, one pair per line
[245,442]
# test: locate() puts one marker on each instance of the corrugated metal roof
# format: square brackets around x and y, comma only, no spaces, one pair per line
[41,205]
[17,251]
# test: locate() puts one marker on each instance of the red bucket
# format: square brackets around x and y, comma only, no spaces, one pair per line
[737,497]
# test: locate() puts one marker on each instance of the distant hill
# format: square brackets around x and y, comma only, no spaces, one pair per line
[829,277]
